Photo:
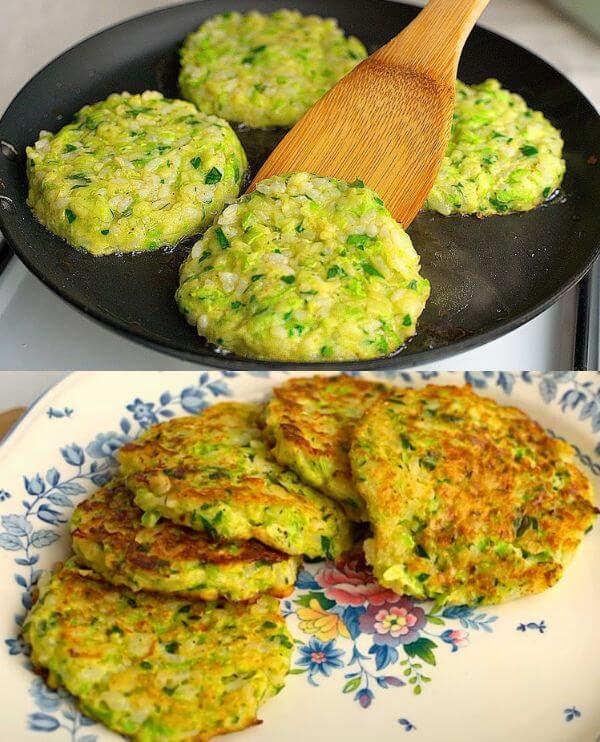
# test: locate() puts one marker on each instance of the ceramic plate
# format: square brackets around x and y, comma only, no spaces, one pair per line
[524,671]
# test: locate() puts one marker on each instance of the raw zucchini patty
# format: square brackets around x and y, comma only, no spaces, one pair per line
[213,473]
[265,70]
[109,537]
[470,501]
[309,423]
[502,156]
[304,268]
[134,172]
[153,667]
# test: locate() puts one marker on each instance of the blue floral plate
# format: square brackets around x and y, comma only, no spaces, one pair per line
[367,662]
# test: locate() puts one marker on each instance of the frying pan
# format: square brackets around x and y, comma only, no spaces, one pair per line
[487,276]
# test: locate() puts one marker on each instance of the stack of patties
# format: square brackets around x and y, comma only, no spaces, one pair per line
[145,626]
[469,501]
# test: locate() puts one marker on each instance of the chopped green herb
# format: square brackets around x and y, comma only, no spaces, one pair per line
[196,162]
[370,270]
[251,57]
[525,522]
[326,546]
[406,444]
[221,238]
[206,524]
[498,204]
[421,551]
[407,320]
[283,640]
[429,461]
[360,240]
[257,276]
[70,216]
[214,175]
[288,279]
[528,150]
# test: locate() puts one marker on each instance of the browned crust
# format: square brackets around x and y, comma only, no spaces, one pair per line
[110,519]
[295,424]
[493,466]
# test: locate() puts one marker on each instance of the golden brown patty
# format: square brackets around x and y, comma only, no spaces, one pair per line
[213,473]
[469,501]
[109,536]
[157,668]
[309,423]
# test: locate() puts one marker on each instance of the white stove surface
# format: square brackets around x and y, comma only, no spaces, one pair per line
[39,331]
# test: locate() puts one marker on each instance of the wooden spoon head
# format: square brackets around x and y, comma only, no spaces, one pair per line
[384,124]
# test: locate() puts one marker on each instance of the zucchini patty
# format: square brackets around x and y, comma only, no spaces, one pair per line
[212,473]
[304,268]
[502,156]
[265,70]
[157,668]
[470,502]
[309,423]
[134,172]
[109,537]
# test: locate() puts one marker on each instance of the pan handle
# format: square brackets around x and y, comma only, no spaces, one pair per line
[587,323]
[5,253]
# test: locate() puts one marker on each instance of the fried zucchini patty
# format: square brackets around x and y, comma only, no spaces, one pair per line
[213,473]
[502,156]
[153,667]
[110,538]
[134,172]
[304,268]
[265,70]
[470,501]
[309,423]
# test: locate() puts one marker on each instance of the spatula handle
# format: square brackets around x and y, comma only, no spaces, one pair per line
[434,40]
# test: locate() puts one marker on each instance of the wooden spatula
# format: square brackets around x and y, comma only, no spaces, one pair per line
[388,121]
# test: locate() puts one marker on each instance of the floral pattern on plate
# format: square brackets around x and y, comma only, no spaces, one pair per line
[384,631]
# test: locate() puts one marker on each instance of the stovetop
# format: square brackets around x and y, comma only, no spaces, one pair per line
[38,331]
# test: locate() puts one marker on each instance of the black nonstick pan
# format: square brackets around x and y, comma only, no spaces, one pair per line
[487,276]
